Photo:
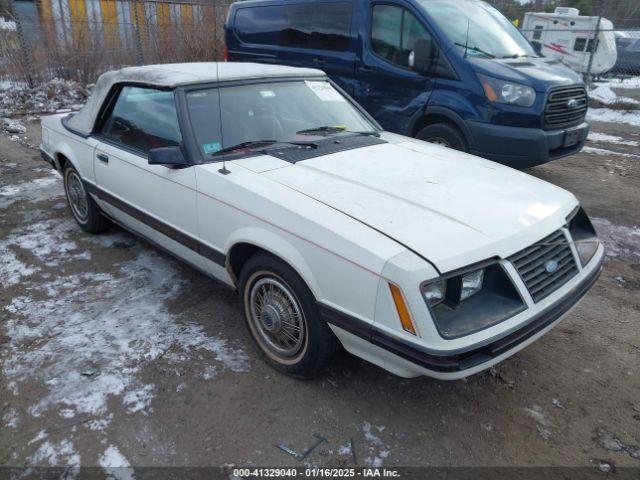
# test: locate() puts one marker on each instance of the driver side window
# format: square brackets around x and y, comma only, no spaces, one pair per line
[394,32]
[143,119]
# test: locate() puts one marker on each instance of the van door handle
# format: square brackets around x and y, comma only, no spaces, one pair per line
[319,61]
[103,158]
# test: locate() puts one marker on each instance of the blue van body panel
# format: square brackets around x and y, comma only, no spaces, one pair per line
[404,101]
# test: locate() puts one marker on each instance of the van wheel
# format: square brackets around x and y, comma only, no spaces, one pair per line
[84,209]
[283,318]
[443,134]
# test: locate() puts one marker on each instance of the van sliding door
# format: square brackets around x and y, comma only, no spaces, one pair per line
[319,35]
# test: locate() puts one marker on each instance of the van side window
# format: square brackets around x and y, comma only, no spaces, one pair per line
[296,31]
[259,24]
[142,119]
[322,26]
[394,32]
[331,26]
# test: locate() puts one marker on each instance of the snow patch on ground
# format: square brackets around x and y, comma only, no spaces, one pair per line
[377,451]
[38,190]
[113,323]
[542,422]
[602,151]
[621,242]
[52,96]
[633,83]
[604,138]
[56,454]
[42,434]
[115,464]
[604,94]
[11,418]
[629,117]
[46,240]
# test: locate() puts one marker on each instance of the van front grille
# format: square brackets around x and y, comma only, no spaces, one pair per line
[566,106]
[545,266]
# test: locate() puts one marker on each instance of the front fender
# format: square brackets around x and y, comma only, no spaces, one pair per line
[280,247]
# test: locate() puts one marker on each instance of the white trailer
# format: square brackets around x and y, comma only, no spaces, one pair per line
[571,38]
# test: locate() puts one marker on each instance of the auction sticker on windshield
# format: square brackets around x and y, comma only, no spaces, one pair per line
[325,91]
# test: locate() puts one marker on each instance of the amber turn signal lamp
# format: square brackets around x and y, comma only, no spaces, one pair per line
[403,311]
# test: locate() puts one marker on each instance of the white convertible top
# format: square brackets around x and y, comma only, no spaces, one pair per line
[177,74]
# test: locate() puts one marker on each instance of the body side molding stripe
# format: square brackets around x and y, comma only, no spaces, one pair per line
[188,241]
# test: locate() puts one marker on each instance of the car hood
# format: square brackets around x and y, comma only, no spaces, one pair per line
[451,208]
[540,73]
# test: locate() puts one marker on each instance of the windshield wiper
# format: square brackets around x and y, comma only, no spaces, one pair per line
[475,49]
[257,143]
[335,129]
[243,145]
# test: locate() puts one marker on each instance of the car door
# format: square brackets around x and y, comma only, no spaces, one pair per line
[386,86]
[156,201]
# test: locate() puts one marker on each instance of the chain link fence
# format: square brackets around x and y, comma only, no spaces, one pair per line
[610,37]
[79,39]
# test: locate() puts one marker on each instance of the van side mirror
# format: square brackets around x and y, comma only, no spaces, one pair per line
[537,47]
[167,156]
[423,56]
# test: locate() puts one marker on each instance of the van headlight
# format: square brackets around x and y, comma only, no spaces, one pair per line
[501,91]
[475,298]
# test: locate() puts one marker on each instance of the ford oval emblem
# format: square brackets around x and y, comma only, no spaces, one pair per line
[573,103]
[551,266]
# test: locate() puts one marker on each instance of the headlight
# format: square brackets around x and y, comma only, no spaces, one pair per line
[434,293]
[471,284]
[500,91]
[473,299]
[584,235]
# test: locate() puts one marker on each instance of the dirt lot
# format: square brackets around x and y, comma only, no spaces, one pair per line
[114,354]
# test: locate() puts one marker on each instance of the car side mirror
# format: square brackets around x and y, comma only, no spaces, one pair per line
[423,56]
[167,156]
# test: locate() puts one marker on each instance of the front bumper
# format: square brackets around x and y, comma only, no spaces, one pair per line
[523,147]
[452,365]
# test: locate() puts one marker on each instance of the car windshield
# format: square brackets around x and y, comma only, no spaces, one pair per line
[479,28]
[251,116]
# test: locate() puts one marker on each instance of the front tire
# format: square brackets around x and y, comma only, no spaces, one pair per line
[445,135]
[283,318]
[84,209]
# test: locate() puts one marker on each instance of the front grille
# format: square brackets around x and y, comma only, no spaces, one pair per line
[565,106]
[531,264]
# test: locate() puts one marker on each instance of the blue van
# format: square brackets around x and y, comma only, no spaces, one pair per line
[457,73]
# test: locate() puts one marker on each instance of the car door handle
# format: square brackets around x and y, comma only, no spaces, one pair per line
[103,158]
[319,61]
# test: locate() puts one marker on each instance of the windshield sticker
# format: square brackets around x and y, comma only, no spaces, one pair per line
[267,93]
[325,91]
[211,147]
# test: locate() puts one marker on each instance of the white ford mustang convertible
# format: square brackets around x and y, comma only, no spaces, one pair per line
[417,258]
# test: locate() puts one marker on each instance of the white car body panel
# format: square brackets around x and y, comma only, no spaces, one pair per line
[396,189]
[350,223]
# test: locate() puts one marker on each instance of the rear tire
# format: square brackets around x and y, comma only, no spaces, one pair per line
[283,318]
[445,135]
[84,209]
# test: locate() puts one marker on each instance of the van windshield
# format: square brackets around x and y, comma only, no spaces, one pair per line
[490,34]
[287,111]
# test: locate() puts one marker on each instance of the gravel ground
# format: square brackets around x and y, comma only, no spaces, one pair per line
[115,355]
